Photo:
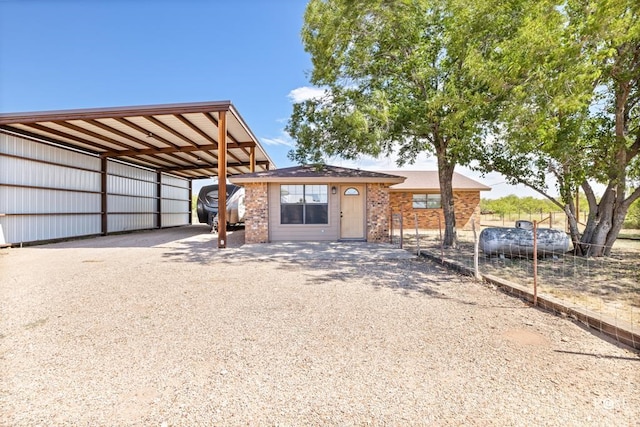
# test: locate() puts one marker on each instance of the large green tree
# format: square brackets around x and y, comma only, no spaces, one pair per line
[400,78]
[572,75]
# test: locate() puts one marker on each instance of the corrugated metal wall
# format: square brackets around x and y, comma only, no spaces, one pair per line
[131,199]
[49,192]
[176,201]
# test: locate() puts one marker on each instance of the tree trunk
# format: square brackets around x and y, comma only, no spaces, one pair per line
[605,222]
[574,231]
[594,245]
[566,195]
[619,214]
[445,176]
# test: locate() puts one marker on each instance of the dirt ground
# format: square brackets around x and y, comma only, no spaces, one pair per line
[162,329]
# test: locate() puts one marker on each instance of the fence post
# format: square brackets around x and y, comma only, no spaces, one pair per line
[401,229]
[550,219]
[535,263]
[417,233]
[391,225]
[476,246]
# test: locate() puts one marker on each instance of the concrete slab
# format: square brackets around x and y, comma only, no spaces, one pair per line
[296,251]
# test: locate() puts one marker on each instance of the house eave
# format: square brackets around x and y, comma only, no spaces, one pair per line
[314,180]
[437,190]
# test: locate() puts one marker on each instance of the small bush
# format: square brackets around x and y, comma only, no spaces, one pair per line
[633,216]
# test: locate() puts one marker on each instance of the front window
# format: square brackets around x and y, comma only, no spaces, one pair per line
[427,201]
[304,204]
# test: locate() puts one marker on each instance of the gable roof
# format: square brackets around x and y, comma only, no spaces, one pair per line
[317,173]
[428,181]
[181,139]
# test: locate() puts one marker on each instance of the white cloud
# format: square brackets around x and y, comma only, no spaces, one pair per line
[304,93]
[282,140]
[424,162]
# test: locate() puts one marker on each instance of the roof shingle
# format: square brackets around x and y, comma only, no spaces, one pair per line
[428,181]
[316,172]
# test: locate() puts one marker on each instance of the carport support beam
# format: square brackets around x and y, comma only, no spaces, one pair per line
[190,210]
[222,179]
[159,199]
[252,159]
[104,217]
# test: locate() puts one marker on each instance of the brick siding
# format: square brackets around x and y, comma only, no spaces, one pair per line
[380,204]
[377,213]
[466,205]
[256,222]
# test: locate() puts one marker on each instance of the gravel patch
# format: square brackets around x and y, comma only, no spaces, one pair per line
[163,329]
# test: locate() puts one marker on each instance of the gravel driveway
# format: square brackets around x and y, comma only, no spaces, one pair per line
[162,329]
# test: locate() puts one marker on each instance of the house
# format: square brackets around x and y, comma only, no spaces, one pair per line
[323,202]
[316,202]
[419,197]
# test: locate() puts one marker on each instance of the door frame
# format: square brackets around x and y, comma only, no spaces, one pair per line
[362,188]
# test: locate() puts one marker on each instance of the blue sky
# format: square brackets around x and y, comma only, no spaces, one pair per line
[67,54]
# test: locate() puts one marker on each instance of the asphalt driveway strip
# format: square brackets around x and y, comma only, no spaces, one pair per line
[162,328]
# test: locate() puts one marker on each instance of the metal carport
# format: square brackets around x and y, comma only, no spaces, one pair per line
[187,141]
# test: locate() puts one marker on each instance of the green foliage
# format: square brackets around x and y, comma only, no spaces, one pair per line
[556,83]
[390,80]
[401,77]
[633,216]
[514,204]
[562,70]
[571,84]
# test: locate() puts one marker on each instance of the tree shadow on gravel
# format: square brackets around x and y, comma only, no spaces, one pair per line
[403,275]
[379,266]
[413,277]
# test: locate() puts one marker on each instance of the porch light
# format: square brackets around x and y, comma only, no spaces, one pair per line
[334,190]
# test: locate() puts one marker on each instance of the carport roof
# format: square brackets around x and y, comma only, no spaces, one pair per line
[181,139]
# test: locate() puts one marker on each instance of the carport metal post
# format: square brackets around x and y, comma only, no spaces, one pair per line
[159,199]
[222,179]
[104,218]
[190,210]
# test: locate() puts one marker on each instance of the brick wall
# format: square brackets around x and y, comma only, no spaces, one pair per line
[466,205]
[377,213]
[256,222]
